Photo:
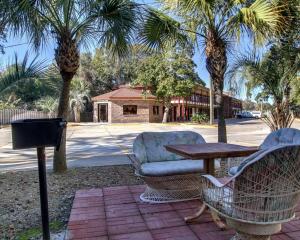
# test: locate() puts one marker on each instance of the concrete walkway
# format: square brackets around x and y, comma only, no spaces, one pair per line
[93,144]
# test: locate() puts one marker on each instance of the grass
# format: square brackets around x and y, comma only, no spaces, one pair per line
[36,232]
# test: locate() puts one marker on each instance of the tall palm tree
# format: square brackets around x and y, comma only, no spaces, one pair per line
[215,25]
[73,23]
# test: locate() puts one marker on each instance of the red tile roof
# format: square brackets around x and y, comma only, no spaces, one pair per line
[125,93]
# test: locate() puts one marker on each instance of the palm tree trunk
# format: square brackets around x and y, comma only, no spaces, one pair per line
[222,133]
[59,161]
[67,59]
[77,114]
[166,112]
[216,63]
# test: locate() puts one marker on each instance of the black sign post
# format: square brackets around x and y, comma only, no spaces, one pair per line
[43,191]
[39,133]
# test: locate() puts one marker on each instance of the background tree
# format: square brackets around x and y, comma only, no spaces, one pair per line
[104,73]
[215,25]
[168,75]
[48,105]
[261,98]
[272,75]
[79,97]
[19,74]
[72,23]
[10,103]
[296,91]
[24,82]
[248,105]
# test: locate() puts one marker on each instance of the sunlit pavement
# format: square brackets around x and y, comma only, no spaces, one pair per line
[92,144]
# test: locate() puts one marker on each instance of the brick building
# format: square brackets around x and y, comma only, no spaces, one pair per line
[127,104]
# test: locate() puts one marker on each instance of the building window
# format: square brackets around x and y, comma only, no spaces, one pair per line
[129,109]
[155,110]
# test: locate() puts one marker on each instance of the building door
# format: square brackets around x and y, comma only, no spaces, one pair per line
[174,114]
[102,112]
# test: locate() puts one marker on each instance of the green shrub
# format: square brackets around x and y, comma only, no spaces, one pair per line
[200,118]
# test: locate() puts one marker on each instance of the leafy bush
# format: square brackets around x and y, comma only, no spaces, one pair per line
[200,118]
[11,103]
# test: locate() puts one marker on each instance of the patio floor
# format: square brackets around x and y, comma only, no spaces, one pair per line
[116,213]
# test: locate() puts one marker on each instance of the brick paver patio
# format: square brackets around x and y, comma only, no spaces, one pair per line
[116,213]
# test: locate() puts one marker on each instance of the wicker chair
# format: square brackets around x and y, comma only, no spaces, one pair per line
[284,136]
[168,176]
[261,196]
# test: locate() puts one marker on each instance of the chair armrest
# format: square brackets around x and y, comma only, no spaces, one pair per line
[216,182]
[135,162]
[218,194]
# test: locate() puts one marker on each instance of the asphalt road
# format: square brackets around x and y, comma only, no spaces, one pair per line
[103,144]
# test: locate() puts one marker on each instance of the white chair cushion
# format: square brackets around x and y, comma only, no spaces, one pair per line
[283,136]
[233,170]
[150,146]
[172,167]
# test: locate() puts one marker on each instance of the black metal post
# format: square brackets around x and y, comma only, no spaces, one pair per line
[43,192]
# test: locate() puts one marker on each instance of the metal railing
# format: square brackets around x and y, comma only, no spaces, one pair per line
[9,115]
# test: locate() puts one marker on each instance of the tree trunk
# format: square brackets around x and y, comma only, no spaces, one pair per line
[166,112]
[67,59]
[216,63]
[280,116]
[76,114]
[59,161]
[211,104]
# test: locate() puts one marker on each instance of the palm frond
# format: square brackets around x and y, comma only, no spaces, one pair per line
[117,20]
[20,72]
[261,20]
[161,31]
[205,6]
[241,72]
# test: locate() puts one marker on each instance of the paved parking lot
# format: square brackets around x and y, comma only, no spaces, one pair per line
[94,144]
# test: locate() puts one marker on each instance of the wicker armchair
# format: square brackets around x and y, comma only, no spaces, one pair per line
[261,196]
[284,136]
[168,176]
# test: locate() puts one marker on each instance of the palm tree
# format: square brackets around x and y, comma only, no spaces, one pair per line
[20,72]
[3,23]
[272,75]
[73,23]
[79,95]
[215,24]
[48,105]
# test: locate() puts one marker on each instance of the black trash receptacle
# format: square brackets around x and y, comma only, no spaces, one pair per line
[39,133]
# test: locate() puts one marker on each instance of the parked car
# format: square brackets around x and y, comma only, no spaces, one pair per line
[244,115]
[256,114]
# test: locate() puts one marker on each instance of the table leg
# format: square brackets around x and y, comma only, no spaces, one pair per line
[209,166]
[193,218]
[217,220]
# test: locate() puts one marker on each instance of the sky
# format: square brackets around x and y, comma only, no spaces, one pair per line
[20,45]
